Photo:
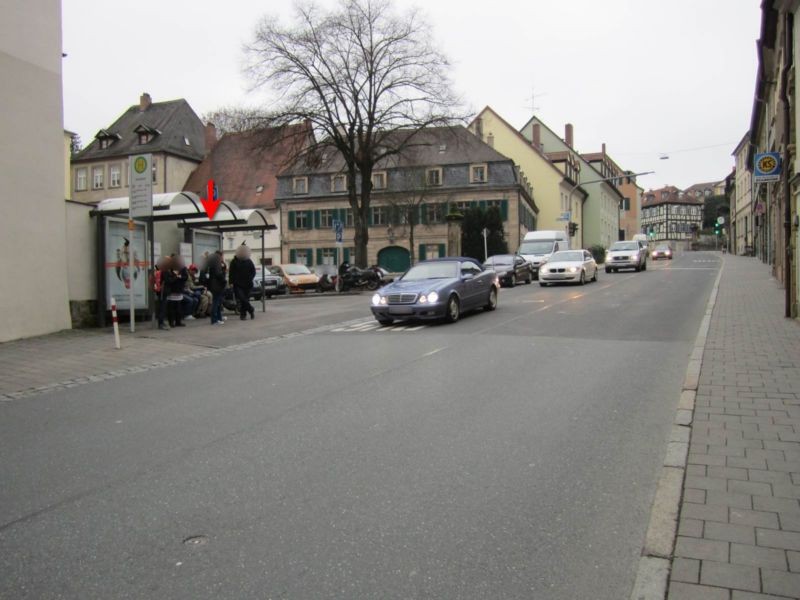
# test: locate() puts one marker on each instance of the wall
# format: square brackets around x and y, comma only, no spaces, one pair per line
[32,171]
[81,234]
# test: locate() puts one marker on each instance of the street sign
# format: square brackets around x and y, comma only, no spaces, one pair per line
[565,216]
[338,227]
[721,220]
[767,167]
[141,194]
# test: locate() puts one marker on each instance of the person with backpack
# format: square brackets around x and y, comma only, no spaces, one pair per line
[241,274]
[215,276]
[174,283]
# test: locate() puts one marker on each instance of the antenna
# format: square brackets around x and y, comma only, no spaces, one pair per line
[532,106]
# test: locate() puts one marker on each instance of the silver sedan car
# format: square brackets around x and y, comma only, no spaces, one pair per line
[568,266]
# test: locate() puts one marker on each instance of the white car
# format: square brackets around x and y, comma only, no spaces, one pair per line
[626,255]
[568,266]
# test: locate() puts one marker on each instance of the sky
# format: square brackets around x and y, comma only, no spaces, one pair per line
[649,78]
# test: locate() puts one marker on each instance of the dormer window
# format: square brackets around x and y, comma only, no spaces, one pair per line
[478,173]
[338,183]
[144,138]
[145,134]
[106,138]
[433,176]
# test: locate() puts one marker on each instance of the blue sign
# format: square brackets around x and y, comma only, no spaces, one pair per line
[767,167]
[338,227]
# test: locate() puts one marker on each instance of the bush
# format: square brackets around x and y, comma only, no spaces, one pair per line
[599,253]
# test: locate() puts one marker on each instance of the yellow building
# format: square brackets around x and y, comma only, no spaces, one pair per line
[551,186]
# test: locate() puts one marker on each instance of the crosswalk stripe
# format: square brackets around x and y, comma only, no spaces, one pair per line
[416,328]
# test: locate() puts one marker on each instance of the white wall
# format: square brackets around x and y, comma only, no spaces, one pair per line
[82,252]
[32,230]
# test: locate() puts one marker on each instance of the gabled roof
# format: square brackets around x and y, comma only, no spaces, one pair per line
[245,165]
[177,130]
[432,146]
[674,196]
[745,140]
[699,188]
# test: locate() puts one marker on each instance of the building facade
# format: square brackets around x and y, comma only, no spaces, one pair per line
[671,215]
[551,186]
[170,131]
[446,169]
[741,206]
[630,206]
[599,209]
[32,171]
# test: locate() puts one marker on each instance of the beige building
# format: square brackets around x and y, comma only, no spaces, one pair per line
[742,207]
[32,172]
[630,206]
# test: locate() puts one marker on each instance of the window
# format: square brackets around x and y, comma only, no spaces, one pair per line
[433,176]
[302,257]
[463,206]
[106,142]
[477,174]
[114,176]
[97,178]
[301,220]
[300,185]
[434,213]
[379,216]
[338,184]
[469,268]
[432,251]
[379,180]
[328,256]
[326,219]
[155,170]
[80,180]
[144,137]
[626,204]
[348,217]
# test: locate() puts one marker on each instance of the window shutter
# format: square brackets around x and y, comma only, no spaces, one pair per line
[482,205]
[292,256]
[504,209]
[369,216]
[319,256]
[317,219]
[422,252]
[336,256]
[423,215]
[442,250]
[309,257]
[292,219]
[346,255]
[309,219]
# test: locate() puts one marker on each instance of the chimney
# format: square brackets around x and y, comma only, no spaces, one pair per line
[144,102]
[568,134]
[604,149]
[537,136]
[210,137]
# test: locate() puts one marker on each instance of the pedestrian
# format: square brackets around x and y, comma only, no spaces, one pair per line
[159,289]
[203,307]
[174,283]
[241,274]
[215,276]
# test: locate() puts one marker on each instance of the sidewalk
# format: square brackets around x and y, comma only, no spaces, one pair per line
[739,529]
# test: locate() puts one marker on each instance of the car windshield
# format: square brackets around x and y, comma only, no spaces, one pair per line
[567,256]
[432,270]
[662,248]
[625,246]
[535,247]
[500,260]
[296,270]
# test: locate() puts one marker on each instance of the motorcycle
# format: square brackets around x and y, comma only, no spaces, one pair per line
[352,277]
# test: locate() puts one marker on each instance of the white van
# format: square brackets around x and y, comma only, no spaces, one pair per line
[539,245]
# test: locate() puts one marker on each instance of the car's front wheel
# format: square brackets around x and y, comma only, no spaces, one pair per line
[512,281]
[608,270]
[543,283]
[594,278]
[453,309]
[583,278]
[491,302]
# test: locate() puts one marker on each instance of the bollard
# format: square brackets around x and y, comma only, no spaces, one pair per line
[115,321]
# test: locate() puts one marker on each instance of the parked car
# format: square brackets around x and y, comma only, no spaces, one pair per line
[297,277]
[273,284]
[626,255]
[510,269]
[435,289]
[568,266]
[661,251]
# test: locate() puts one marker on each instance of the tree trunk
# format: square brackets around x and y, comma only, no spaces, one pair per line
[362,221]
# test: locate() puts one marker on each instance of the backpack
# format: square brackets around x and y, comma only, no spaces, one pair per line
[157,281]
[204,277]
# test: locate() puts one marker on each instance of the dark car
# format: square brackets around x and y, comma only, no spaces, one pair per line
[273,284]
[661,251]
[510,268]
[441,288]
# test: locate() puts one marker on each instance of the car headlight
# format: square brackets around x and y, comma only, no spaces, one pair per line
[433,297]
[573,269]
[653,254]
[376,300]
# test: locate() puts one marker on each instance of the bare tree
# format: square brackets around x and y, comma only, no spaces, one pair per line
[407,206]
[366,78]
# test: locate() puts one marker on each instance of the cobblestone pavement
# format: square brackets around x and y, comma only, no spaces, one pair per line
[739,530]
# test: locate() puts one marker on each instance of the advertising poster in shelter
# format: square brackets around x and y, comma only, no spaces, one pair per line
[205,243]
[119,278]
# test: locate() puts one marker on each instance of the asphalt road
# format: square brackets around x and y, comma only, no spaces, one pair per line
[511,455]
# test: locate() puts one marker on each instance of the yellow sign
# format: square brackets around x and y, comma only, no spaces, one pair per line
[140,164]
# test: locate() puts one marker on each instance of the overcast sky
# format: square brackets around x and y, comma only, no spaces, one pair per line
[647,77]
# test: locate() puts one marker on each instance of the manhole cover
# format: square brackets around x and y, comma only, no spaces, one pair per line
[196,540]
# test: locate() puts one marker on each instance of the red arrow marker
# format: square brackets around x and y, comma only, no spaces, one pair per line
[210,202]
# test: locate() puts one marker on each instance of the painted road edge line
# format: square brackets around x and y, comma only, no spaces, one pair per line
[652,573]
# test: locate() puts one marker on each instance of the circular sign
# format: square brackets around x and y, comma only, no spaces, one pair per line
[140,164]
[720,220]
[767,164]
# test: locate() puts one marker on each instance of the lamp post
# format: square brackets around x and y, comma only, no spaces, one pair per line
[579,183]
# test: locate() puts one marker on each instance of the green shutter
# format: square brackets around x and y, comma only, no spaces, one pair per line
[292,256]
[309,219]
[504,209]
[346,255]
[369,216]
[422,254]
[423,214]
[482,205]
[319,256]
[309,257]
[317,219]
[442,250]
[292,220]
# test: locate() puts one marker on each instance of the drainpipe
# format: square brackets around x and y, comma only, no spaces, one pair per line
[787,217]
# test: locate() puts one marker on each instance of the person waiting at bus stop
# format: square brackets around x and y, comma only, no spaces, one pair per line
[241,274]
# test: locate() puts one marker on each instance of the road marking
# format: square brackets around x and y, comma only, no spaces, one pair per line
[432,352]
[372,326]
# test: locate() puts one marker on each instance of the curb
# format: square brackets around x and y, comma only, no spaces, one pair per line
[652,574]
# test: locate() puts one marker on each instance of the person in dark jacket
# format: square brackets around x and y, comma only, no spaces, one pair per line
[174,282]
[241,274]
[215,278]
